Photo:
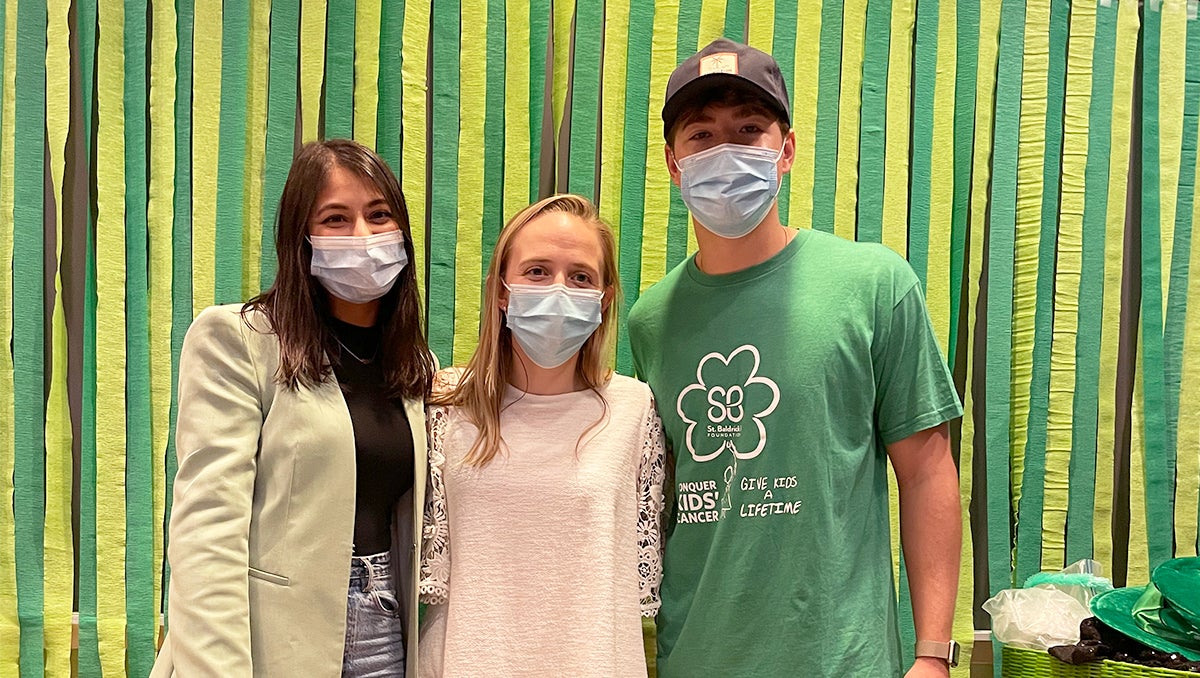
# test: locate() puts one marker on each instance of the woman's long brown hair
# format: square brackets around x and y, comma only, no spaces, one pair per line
[482,383]
[297,306]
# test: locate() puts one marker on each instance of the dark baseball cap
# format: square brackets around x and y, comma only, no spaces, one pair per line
[725,64]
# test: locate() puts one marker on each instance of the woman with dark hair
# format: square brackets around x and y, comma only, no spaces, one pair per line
[302,446]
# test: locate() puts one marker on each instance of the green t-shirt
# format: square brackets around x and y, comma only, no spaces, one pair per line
[778,387]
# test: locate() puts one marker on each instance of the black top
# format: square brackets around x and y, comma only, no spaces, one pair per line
[383,438]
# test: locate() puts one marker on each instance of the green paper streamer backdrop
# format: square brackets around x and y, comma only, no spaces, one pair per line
[652,223]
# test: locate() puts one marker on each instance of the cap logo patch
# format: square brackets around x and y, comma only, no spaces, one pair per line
[721,62]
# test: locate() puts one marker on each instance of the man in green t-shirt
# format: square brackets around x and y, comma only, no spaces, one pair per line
[788,366]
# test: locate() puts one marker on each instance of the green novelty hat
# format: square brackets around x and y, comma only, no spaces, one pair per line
[1164,614]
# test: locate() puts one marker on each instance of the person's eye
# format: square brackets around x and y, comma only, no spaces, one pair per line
[701,134]
[380,216]
[535,272]
[751,129]
[582,279]
[334,219]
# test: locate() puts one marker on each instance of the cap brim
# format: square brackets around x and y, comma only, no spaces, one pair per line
[1115,608]
[1178,580]
[687,94]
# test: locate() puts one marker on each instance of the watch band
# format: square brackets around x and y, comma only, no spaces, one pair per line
[947,652]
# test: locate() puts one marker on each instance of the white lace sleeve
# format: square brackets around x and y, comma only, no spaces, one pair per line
[650,512]
[435,537]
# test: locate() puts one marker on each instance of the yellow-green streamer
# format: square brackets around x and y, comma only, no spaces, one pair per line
[1114,253]
[762,26]
[941,178]
[849,104]
[516,106]
[412,172]
[658,182]
[899,116]
[1187,475]
[564,14]
[312,63]
[259,65]
[1139,547]
[160,218]
[804,112]
[1172,54]
[1032,148]
[468,245]
[1066,289]
[612,119]
[10,630]
[206,128]
[58,557]
[366,70]
[110,336]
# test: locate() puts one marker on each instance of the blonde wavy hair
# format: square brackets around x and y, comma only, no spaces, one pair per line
[479,391]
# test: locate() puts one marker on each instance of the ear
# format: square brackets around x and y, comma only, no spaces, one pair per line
[501,297]
[672,165]
[788,158]
[606,299]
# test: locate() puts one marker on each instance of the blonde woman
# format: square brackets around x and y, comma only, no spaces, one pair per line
[541,545]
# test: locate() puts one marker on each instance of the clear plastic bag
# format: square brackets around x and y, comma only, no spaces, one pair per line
[1047,613]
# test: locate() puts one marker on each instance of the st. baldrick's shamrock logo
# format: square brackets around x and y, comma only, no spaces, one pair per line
[725,408]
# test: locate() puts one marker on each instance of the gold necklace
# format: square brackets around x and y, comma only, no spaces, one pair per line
[355,355]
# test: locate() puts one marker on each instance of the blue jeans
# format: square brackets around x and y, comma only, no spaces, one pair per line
[374,632]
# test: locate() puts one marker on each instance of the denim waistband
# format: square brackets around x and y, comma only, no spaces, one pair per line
[373,567]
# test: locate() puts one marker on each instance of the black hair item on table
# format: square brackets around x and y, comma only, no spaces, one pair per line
[1098,641]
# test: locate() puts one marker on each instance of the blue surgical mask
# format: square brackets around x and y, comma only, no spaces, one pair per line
[552,322]
[730,188]
[358,268]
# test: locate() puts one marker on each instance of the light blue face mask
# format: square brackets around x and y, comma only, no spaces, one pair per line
[730,188]
[552,322]
[358,268]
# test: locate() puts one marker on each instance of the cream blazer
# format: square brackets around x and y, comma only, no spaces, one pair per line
[263,518]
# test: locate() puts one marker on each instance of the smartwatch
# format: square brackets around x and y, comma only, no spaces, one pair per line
[947,652]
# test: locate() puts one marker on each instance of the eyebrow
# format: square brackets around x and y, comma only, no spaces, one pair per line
[544,261]
[334,206]
[749,110]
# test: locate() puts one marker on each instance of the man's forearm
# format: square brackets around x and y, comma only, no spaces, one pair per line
[931,535]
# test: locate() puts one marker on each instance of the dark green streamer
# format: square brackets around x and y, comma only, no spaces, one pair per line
[388,115]
[443,233]
[140,607]
[29,430]
[281,123]
[1001,244]
[1159,465]
[231,164]
[964,149]
[339,69]
[585,98]
[1081,500]
[826,150]
[539,36]
[633,179]
[924,95]
[493,132]
[872,140]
